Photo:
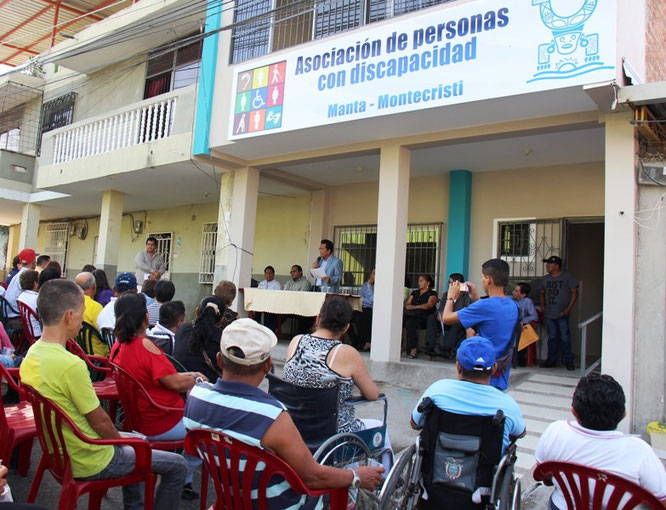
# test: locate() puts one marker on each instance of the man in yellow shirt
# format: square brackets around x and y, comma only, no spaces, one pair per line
[63,378]
[92,309]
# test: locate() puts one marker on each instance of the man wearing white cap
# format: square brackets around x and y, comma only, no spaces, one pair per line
[236,406]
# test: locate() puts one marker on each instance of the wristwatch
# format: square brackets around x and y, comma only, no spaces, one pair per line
[356,481]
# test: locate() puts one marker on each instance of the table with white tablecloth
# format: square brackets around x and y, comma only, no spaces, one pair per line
[287,302]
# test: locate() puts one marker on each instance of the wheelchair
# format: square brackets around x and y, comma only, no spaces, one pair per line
[457,463]
[315,414]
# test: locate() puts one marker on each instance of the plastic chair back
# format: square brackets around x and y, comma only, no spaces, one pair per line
[235,483]
[585,487]
[5,308]
[313,410]
[85,337]
[27,316]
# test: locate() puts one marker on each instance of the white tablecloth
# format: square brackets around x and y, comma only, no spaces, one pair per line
[285,302]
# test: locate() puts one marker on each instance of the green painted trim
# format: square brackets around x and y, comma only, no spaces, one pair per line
[460,214]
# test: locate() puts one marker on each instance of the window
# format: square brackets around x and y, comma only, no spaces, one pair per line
[356,246]
[172,70]
[333,17]
[163,247]
[57,241]
[9,140]
[524,243]
[251,39]
[58,112]
[208,246]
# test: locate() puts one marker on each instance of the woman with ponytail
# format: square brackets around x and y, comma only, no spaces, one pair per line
[198,342]
[147,363]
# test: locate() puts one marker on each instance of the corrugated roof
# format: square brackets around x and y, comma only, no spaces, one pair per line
[27,26]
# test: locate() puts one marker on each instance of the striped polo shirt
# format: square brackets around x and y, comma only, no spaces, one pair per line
[245,413]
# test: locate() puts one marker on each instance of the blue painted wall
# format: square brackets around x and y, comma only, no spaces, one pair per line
[460,212]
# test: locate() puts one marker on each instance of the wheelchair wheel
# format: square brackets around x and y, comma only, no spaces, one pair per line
[510,486]
[342,450]
[395,494]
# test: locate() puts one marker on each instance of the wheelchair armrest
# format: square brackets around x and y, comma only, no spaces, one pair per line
[360,399]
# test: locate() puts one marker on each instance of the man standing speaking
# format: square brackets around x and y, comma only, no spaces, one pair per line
[332,267]
[149,264]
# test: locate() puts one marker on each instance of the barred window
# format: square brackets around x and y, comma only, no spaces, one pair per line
[208,245]
[57,242]
[58,112]
[251,39]
[356,246]
[514,239]
[333,17]
[171,70]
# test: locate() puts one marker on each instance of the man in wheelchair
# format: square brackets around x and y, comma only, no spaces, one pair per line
[464,454]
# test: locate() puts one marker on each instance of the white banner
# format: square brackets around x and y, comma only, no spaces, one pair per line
[446,55]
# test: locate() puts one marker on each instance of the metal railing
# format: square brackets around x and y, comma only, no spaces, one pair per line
[584,370]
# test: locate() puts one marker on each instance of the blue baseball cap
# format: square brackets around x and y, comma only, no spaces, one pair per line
[476,353]
[125,281]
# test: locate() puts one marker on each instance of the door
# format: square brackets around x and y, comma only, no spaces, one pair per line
[584,258]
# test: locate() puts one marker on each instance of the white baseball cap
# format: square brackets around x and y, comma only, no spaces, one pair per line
[251,338]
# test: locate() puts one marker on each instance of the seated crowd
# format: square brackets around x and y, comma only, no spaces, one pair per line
[206,374]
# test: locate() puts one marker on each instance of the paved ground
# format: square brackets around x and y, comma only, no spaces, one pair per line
[544,396]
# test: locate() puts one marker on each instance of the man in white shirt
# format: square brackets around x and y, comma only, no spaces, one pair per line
[171,317]
[592,439]
[270,283]
[125,282]
[29,283]
[27,260]
[149,263]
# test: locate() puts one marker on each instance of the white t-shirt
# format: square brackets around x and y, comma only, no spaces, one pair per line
[29,297]
[272,285]
[107,317]
[608,450]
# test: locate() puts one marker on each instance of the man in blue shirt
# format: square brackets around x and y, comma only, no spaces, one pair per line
[494,318]
[472,394]
[331,264]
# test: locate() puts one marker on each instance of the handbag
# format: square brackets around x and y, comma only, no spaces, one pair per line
[527,337]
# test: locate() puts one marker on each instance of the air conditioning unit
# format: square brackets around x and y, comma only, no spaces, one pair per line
[652,173]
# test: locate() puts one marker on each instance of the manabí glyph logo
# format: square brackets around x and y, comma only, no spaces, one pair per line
[571,51]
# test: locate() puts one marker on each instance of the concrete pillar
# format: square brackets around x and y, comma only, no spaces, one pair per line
[318,226]
[108,242]
[29,227]
[237,214]
[394,168]
[458,229]
[618,341]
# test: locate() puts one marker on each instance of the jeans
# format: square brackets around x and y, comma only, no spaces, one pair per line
[171,467]
[177,433]
[559,335]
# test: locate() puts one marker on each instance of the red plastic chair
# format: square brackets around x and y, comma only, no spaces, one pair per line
[105,389]
[50,420]
[228,479]
[574,481]
[27,315]
[131,391]
[17,425]
[3,285]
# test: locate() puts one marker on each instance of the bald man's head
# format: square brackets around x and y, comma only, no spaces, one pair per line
[86,281]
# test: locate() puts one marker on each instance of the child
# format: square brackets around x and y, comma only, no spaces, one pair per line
[527,313]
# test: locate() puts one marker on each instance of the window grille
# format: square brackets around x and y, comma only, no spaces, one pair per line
[335,16]
[356,246]
[9,140]
[57,241]
[163,247]
[252,39]
[58,112]
[524,244]
[208,245]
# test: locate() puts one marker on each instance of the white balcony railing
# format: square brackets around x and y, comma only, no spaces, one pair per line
[147,123]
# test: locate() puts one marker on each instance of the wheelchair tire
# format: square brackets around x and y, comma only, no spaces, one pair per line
[342,450]
[507,491]
[394,492]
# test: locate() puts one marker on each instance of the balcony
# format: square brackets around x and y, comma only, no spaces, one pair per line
[149,133]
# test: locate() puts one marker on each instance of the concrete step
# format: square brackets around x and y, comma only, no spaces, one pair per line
[545,413]
[529,442]
[560,380]
[525,461]
[525,397]
[536,426]
[546,389]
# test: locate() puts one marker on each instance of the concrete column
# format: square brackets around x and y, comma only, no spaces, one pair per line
[237,216]
[394,168]
[318,225]
[458,231]
[108,242]
[618,341]
[29,227]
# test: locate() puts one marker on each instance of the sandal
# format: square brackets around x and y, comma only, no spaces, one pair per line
[413,355]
